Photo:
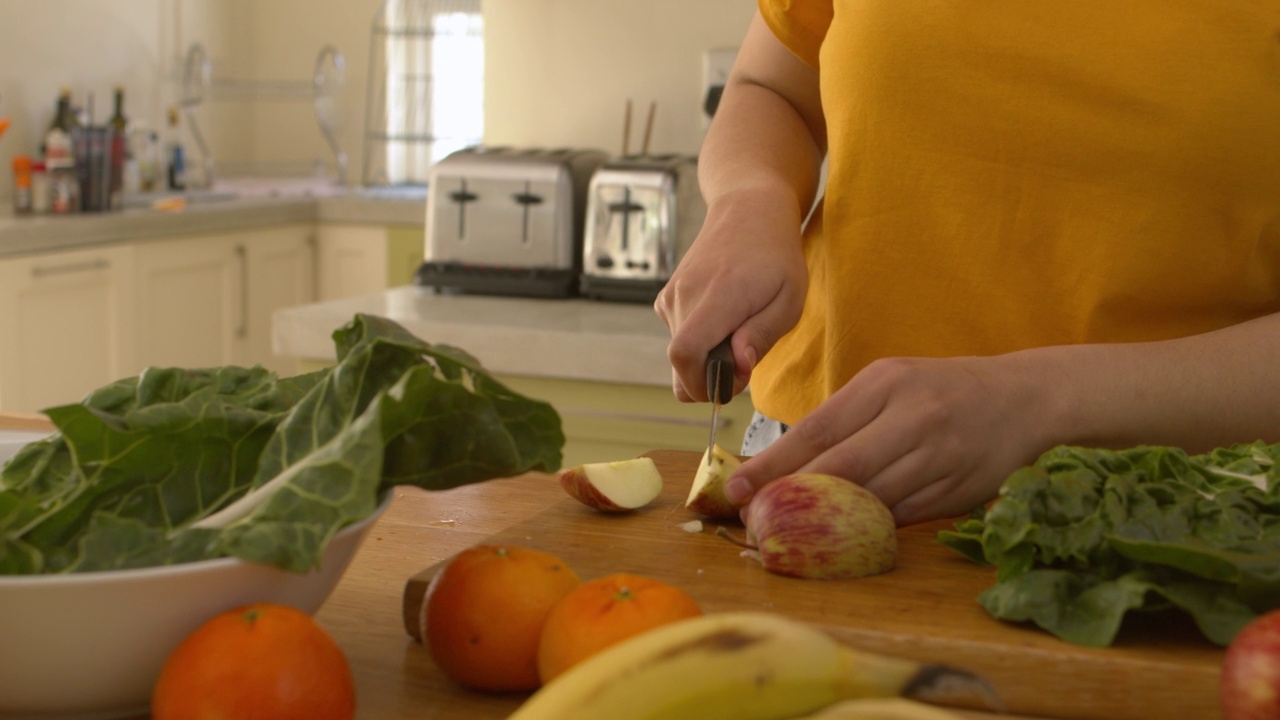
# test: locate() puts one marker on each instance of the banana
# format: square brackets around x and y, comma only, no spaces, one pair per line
[736,666]
[881,709]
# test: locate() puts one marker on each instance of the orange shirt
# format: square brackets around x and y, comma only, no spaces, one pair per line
[1018,173]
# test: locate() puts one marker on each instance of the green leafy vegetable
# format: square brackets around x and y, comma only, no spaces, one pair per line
[177,465]
[1084,536]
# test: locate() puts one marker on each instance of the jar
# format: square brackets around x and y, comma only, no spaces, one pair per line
[21,185]
[40,188]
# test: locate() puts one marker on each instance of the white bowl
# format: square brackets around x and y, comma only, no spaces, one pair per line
[91,645]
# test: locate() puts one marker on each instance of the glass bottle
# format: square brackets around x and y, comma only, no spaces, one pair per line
[177,154]
[119,125]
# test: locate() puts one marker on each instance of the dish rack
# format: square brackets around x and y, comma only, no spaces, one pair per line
[324,90]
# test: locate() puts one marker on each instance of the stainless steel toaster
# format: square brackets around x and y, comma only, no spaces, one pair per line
[643,213]
[507,221]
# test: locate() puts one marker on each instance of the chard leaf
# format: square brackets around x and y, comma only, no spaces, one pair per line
[1077,607]
[176,465]
[1086,535]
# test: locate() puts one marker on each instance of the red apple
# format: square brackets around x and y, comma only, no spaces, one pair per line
[1250,684]
[614,486]
[706,495]
[810,525]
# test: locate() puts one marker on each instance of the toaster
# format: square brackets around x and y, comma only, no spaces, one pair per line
[643,213]
[506,221]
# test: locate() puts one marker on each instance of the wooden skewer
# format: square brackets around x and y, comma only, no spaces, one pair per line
[648,129]
[626,130]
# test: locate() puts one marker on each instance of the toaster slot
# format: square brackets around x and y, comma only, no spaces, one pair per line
[461,197]
[632,227]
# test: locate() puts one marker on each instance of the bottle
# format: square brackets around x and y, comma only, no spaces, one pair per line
[21,185]
[118,121]
[119,125]
[64,116]
[177,155]
[58,149]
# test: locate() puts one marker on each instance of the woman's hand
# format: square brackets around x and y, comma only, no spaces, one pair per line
[931,438]
[758,170]
[744,276]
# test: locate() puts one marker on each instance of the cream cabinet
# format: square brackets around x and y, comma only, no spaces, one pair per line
[362,259]
[207,300]
[604,422]
[67,325]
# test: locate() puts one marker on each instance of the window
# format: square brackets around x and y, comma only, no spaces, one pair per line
[426,87]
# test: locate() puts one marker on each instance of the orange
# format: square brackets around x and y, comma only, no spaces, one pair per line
[483,612]
[606,611]
[256,662]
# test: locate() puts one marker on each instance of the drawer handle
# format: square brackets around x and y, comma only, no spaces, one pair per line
[721,423]
[70,268]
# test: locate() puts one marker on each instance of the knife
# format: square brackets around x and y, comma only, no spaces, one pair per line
[719,385]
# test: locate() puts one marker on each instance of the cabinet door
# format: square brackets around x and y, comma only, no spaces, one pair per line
[191,301]
[207,300]
[604,422]
[281,266]
[352,261]
[66,326]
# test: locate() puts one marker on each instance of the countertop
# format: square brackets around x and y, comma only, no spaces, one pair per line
[45,233]
[394,674]
[567,338]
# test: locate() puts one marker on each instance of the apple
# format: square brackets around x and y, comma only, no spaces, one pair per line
[1250,679]
[706,496]
[617,486]
[810,525]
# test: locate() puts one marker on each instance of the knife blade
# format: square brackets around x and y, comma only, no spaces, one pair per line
[719,385]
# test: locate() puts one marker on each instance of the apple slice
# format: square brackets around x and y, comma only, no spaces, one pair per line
[706,496]
[613,486]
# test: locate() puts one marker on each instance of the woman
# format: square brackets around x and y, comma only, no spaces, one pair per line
[1043,223]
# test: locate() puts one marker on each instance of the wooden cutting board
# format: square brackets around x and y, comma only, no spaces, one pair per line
[926,608]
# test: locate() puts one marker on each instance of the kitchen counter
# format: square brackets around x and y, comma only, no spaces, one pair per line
[559,338]
[45,233]
[394,674]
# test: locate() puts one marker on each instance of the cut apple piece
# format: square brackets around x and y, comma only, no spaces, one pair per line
[614,486]
[706,497]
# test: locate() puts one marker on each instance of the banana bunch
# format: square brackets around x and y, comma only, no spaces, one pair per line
[736,666]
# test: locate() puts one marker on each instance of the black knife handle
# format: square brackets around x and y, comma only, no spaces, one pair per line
[721,358]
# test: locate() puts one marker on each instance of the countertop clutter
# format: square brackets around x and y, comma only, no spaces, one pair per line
[923,609]
[396,678]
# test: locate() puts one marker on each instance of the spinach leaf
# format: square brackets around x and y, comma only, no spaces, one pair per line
[176,465]
[1084,536]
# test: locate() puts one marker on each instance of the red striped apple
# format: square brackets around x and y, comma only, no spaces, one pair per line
[706,495]
[617,486]
[1250,680]
[811,525]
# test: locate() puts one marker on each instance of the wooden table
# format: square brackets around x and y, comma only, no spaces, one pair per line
[396,677]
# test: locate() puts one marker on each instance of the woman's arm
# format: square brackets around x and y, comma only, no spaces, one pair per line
[936,437]
[758,170]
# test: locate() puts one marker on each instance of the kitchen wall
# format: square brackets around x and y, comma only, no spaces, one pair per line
[558,72]
[90,46]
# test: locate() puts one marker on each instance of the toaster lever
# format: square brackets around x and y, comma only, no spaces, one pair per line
[462,197]
[526,200]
